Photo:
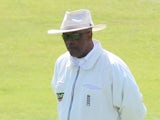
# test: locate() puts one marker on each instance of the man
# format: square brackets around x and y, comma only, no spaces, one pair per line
[90,82]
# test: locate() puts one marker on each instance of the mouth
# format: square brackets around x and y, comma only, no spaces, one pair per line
[71,47]
[74,51]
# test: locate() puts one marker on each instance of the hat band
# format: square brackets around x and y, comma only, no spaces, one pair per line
[76,26]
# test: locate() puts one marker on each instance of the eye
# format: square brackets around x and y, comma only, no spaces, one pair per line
[75,36]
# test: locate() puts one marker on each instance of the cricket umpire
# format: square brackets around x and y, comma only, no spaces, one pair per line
[90,82]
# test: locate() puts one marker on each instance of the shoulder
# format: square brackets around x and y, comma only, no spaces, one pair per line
[112,58]
[116,60]
[63,59]
[117,65]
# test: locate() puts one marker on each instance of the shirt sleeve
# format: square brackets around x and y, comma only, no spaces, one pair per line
[126,95]
[54,78]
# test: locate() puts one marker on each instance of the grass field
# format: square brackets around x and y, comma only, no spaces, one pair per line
[28,53]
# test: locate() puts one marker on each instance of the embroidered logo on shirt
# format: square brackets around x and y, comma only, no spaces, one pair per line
[60,96]
[88,103]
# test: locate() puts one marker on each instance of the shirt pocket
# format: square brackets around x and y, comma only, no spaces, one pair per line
[92,104]
[91,95]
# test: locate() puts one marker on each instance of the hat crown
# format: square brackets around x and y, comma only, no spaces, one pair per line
[77,19]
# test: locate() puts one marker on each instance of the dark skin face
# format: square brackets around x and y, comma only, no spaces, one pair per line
[80,47]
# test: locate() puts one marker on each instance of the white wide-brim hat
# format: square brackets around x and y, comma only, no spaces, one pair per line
[77,20]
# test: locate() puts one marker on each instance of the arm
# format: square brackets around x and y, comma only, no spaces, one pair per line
[126,95]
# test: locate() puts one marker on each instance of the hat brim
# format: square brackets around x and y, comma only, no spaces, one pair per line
[94,29]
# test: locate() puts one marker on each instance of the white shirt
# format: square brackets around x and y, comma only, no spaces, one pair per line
[102,88]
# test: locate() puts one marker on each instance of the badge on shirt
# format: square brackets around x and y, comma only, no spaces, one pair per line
[88,102]
[60,96]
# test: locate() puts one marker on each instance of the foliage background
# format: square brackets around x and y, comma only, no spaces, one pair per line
[28,53]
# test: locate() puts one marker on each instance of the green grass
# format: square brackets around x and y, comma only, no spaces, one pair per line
[27,53]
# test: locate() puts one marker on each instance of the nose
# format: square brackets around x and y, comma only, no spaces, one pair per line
[69,43]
